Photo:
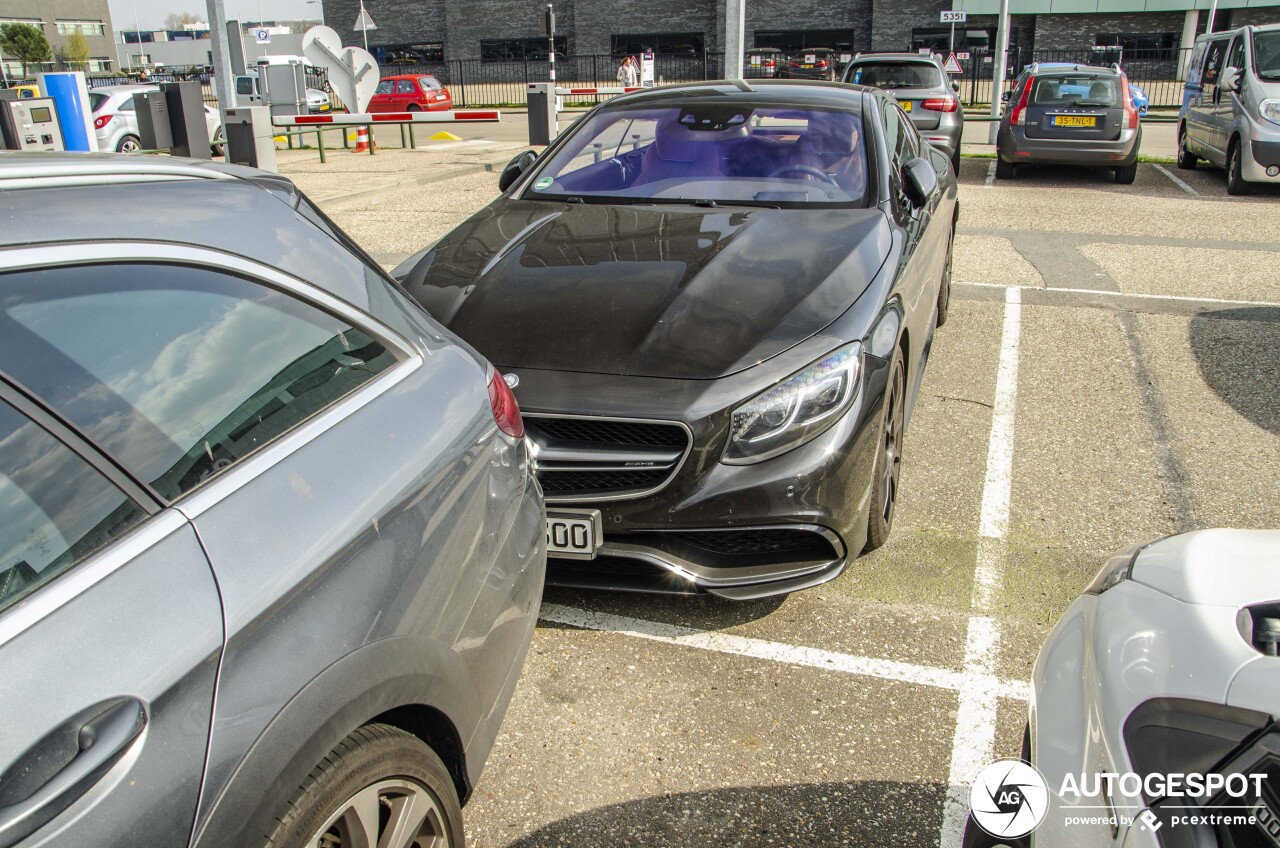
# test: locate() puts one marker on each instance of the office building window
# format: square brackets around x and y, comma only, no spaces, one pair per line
[82,27]
[659,43]
[135,37]
[938,39]
[789,41]
[518,49]
[1140,45]
[99,64]
[413,54]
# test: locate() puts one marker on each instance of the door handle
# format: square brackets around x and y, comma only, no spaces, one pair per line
[62,766]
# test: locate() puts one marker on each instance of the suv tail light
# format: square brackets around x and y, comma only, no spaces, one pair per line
[101,121]
[1130,111]
[822,64]
[506,412]
[1019,114]
[769,63]
[940,104]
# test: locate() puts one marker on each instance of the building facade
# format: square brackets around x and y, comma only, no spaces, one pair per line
[58,19]
[499,30]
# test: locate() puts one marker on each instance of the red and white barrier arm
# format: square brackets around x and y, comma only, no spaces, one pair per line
[353,119]
[613,89]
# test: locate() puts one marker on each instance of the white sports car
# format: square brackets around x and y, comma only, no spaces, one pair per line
[1155,700]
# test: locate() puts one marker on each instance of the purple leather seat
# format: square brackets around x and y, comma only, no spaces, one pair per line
[675,153]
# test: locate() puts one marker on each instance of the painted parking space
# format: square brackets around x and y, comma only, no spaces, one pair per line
[1107,376]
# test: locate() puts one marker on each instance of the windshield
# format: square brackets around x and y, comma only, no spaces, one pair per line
[897,75]
[1266,54]
[707,152]
[1080,90]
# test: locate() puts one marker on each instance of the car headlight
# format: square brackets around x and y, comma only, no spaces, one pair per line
[796,410]
[1271,110]
[1116,569]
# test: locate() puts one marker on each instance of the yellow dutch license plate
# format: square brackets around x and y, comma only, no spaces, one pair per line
[806,66]
[905,104]
[1075,121]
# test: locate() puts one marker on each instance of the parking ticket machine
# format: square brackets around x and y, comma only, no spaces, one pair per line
[30,124]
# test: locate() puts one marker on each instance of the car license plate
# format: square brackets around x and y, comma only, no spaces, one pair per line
[806,66]
[905,104]
[1075,121]
[574,533]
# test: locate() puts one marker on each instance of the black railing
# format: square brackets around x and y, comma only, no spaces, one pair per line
[1156,72]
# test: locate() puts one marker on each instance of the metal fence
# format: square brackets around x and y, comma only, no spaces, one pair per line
[478,83]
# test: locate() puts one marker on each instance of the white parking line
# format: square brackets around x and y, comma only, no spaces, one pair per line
[1180,298]
[991,175]
[974,740]
[797,655]
[1176,180]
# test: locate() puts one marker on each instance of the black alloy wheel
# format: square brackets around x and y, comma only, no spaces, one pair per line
[888,467]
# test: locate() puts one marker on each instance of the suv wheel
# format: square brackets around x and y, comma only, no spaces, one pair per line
[1005,170]
[1127,174]
[1186,159]
[1236,184]
[884,488]
[380,786]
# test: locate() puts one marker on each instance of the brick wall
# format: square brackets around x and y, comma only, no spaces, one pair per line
[1076,32]
[419,21]
[1254,17]
[852,15]
[597,20]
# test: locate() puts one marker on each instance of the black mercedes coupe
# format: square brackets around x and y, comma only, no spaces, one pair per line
[714,303]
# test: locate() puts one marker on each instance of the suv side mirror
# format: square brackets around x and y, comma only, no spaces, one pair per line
[515,168]
[1006,97]
[1230,79]
[919,181]
[955,86]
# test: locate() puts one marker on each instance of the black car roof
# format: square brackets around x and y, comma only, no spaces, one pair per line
[783,92]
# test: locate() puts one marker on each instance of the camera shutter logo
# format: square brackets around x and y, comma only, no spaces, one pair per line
[1009,799]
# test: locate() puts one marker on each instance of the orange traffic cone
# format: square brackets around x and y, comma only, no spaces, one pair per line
[362,140]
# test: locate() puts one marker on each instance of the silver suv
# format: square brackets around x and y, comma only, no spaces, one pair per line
[922,90]
[271,548]
[1231,106]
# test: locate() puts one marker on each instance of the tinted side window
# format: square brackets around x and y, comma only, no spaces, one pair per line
[405,87]
[244,85]
[177,372]
[385,87]
[1235,57]
[55,509]
[1213,61]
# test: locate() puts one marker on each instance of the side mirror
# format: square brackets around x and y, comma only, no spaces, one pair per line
[1006,97]
[955,86]
[515,168]
[919,181]
[1230,79]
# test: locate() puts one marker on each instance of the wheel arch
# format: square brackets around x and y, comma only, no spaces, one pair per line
[411,682]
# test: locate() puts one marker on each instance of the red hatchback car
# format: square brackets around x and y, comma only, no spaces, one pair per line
[410,93]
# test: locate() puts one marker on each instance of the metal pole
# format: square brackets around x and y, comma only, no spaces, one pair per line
[223,84]
[997,77]
[953,38]
[1213,13]
[364,27]
[734,22]
[4,72]
[551,43]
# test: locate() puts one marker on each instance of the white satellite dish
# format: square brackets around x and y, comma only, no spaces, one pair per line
[353,73]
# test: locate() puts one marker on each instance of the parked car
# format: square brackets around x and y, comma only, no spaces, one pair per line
[115,123]
[410,93]
[1083,115]
[1140,99]
[716,301]
[26,92]
[762,63]
[1231,110]
[271,550]
[921,87]
[1166,666]
[819,63]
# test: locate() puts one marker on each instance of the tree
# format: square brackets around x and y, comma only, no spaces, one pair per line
[177,20]
[75,50]
[26,43]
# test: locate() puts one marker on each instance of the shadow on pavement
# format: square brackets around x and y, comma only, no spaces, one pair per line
[703,612]
[1238,352]
[813,814]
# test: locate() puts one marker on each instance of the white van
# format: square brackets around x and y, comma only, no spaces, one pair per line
[1231,106]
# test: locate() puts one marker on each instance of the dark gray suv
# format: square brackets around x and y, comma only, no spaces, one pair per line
[271,550]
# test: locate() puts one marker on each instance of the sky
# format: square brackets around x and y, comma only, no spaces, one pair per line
[151,13]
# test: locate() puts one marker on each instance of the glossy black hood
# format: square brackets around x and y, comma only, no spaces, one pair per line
[655,291]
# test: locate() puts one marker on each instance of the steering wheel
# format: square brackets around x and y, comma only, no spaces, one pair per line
[808,171]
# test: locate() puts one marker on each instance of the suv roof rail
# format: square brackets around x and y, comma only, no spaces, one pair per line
[18,171]
[1035,68]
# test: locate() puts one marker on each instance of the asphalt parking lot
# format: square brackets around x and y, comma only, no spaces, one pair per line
[1108,376]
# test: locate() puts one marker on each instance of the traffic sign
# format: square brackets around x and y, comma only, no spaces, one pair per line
[954,16]
[364,21]
[263,36]
[963,57]
[952,65]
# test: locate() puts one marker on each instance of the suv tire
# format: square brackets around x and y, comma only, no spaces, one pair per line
[387,762]
[1127,174]
[1005,170]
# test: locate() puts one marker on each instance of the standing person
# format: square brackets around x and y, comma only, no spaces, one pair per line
[627,73]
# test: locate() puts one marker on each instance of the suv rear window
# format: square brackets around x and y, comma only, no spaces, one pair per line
[1077,90]
[897,75]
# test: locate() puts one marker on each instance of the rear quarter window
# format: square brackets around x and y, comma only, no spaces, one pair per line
[178,372]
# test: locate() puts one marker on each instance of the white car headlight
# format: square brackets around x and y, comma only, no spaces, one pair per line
[1271,110]
[796,410]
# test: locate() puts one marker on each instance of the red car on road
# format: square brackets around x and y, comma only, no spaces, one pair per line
[410,93]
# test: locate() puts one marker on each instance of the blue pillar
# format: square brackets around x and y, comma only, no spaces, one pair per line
[71,99]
